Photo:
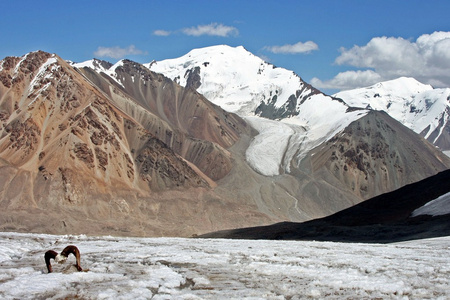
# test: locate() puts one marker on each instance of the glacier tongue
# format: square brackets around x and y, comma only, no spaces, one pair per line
[282,144]
[265,153]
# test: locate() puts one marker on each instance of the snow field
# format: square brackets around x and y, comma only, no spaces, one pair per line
[177,268]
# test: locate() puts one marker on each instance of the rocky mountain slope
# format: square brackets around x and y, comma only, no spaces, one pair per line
[391,217]
[421,107]
[103,148]
[79,156]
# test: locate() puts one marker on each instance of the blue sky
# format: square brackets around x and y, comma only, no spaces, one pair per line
[332,44]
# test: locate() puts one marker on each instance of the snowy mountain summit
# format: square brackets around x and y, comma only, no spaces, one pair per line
[237,80]
[418,106]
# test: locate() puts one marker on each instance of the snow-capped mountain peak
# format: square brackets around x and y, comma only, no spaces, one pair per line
[403,85]
[383,94]
[232,78]
[95,64]
[418,106]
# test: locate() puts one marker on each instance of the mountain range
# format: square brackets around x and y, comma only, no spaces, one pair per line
[215,139]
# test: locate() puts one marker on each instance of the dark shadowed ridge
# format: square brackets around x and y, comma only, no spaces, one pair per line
[384,219]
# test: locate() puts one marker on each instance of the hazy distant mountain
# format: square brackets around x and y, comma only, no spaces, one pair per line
[421,107]
[117,149]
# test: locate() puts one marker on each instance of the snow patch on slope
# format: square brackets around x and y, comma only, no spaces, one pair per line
[101,67]
[437,207]
[92,64]
[44,72]
[16,69]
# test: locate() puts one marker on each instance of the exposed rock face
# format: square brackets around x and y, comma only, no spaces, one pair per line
[268,109]
[156,161]
[376,154]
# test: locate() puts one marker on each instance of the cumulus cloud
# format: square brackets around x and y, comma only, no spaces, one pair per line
[426,59]
[117,52]
[348,80]
[297,48]
[161,32]
[213,29]
[393,56]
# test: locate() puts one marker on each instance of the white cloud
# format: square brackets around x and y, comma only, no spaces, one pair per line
[426,59]
[348,80]
[299,47]
[385,55]
[161,32]
[213,29]
[117,52]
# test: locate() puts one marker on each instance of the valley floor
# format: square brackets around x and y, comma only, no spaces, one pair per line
[176,268]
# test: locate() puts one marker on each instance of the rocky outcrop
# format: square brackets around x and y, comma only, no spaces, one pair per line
[159,166]
[290,108]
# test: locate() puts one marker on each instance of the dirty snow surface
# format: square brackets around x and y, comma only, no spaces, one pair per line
[177,268]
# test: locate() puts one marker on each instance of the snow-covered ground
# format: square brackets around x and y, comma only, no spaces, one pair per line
[176,268]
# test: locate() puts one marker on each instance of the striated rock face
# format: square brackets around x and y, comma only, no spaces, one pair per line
[181,118]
